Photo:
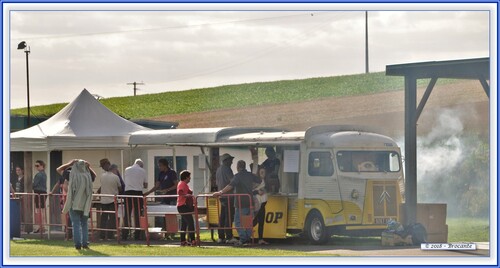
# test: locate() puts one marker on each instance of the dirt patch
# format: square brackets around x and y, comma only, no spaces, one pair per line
[383,110]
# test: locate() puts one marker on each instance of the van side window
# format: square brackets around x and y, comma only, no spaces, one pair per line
[320,164]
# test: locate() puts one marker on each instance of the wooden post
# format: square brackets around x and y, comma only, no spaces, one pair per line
[27,210]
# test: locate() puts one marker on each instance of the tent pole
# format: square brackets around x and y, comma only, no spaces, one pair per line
[121,161]
[48,208]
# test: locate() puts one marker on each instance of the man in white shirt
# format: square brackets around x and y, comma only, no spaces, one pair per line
[135,181]
[110,185]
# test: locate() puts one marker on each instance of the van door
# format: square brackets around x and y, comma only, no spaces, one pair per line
[321,179]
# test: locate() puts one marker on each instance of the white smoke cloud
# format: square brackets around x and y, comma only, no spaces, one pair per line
[441,150]
[450,166]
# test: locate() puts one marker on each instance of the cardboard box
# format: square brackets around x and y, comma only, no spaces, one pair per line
[438,237]
[431,216]
[392,239]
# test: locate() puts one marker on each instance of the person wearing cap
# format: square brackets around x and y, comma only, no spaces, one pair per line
[135,181]
[223,176]
[242,183]
[110,185]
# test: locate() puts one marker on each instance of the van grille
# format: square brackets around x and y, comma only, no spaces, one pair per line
[385,204]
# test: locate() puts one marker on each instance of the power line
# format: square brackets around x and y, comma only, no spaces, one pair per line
[158,28]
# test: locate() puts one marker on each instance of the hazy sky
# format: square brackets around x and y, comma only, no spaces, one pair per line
[81,47]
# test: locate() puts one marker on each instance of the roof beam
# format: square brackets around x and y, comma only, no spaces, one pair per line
[454,69]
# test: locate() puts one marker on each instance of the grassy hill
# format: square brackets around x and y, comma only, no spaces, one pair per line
[243,95]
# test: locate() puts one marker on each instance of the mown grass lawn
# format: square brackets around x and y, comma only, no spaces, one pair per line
[56,248]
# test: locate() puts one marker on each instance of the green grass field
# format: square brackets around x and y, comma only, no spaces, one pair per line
[243,95]
[37,247]
[48,248]
[460,230]
[468,229]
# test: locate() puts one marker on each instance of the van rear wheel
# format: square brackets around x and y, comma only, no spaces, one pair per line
[315,228]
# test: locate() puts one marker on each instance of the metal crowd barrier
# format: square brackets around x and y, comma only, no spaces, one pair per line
[100,214]
[37,204]
[171,223]
[126,208]
[214,210]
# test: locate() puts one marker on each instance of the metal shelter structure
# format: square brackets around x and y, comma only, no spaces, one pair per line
[478,68]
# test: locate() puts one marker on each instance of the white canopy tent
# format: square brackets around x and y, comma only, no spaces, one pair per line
[82,129]
[83,124]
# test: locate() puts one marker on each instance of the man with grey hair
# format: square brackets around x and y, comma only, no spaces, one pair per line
[242,183]
[135,181]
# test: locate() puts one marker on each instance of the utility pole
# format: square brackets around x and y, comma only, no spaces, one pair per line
[26,48]
[135,86]
[366,42]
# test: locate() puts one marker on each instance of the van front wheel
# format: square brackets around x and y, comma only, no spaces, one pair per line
[315,228]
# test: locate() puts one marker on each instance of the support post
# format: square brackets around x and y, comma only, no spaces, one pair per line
[410,149]
[27,51]
[367,69]
[49,199]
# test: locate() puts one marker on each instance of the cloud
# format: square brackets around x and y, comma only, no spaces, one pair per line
[429,36]
[189,49]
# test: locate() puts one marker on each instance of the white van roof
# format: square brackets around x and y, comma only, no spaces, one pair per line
[192,136]
[318,136]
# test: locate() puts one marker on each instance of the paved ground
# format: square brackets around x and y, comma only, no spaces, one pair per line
[393,251]
[368,251]
[357,250]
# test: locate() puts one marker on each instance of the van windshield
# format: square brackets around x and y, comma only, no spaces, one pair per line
[368,161]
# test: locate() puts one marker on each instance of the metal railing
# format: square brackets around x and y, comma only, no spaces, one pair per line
[34,212]
[132,210]
[245,220]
